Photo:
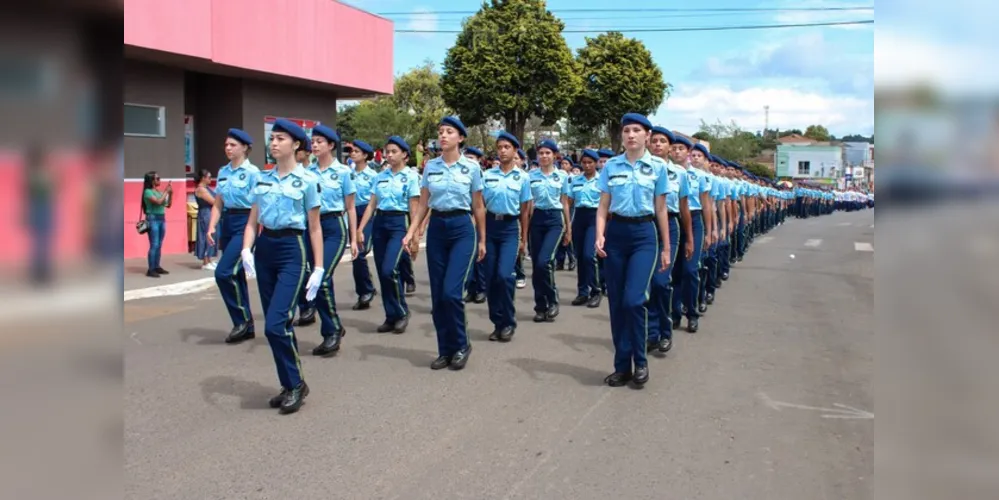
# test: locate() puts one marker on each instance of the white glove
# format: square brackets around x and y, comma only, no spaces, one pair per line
[315,280]
[248,263]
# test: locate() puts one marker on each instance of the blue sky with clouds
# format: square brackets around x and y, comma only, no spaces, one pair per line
[806,75]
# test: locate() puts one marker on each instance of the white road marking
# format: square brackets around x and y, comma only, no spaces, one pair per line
[839,411]
[813,243]
[863,247]
[136,339]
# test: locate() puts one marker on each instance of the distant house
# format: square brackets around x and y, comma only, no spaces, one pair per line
[818,162]
[795,139]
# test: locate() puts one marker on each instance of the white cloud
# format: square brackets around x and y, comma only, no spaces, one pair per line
[818,16]
[422,19]
[789,108]
[901,59]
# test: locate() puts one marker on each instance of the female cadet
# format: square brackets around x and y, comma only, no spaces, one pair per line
[565,251]
[506,194]
[306,308]
[452,189]
[585,196]
[699,162]
[236,182]
[549,227]
[660,289]
[394,196]
[519,266]
[476,284]
[336,197]
[364,176]
[286,202]
[686,279]
[633,197]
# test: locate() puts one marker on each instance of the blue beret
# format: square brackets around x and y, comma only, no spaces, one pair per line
[589,153]
[605,153]
[363,146]
[453,121]
[636,119]
[506,136]
[683,140]
[704,150]
[475,151]
[328,133]
[521,154]
[664,131]
[398,141]
[291,128]
[549,144]
[240,136]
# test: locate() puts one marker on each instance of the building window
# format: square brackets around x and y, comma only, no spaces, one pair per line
[804,168]
[145,121]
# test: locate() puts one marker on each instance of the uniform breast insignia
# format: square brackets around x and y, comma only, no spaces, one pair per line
[242,176]
[646,169]
[402,178]
[672,175]
[464,170]
[297,184]
[516,176]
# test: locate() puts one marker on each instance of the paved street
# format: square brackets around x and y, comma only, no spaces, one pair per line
[772,399]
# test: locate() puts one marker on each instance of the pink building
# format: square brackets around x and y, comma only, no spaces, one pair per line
[195,68]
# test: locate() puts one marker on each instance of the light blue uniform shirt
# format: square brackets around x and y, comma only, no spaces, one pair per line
[733,189]
[363,181]
[451,186]
[235,185]
[336,184]
[696,180]
[677,185]
[547,190]
[634,188]
[394,190]
[718,187]
[585,192]
[282,203]
[503,193]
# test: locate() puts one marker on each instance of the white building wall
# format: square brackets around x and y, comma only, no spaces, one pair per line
[825,163]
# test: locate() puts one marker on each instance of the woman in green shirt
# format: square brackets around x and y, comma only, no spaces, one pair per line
[154,203]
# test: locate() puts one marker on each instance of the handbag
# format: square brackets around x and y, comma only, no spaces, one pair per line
[143,225]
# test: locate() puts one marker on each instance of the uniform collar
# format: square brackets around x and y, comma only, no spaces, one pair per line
[499,170]
[298,171]
[246,163]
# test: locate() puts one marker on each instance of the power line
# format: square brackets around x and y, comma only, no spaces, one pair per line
[703,28]
[720,9]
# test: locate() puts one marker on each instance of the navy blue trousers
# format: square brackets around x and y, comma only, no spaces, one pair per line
[406,269]
[229,274]
[544,235]
[362,274]
[632,258]
[387,235]
[584,235]
[686,279]
[334,244]
[661,289]
[450,254]
[476,283]
[502,242]
[281,274]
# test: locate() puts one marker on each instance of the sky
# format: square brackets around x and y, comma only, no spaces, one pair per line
[809,75]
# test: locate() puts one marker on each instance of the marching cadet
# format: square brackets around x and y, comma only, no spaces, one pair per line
[282,198]
[565,251]
[394,195]
[549,227]
[452,189]
[719,193]
[336,197]
[519,267]
[234,199]
[475,288]
[306,308]
[506,194]
[605,155]
[632,208]
[585,196]
[364,177]
[686,277]
[699,162]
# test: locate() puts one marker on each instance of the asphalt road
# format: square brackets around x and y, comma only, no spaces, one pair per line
[769,400]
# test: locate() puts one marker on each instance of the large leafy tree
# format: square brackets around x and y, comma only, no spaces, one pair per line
[373,121]
[510,62]
[731,141]
[418,94]
[619,76]
[817,132]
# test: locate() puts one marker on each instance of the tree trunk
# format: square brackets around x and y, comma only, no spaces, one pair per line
[614,129]
[515,125]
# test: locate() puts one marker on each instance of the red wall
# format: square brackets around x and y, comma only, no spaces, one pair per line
[175,242]
[319,40]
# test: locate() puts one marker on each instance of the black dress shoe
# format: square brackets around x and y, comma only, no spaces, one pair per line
[702,308]
[460,358]
[551,313]
[641,375]
[506,334]
[480,298]
[363,302]
[306,317]
[467,298]
[160,270]
[710,299]
[495,336]
[618,379]
[240,333]
[294,399]
[692,325]
[330,345]
[540,317]
[571,266]
[724,276]
[276,401]
[664,345]
[594,301]
[676,321]
[401,325]
[386,327]
[410,289]
[560,266]
[580,300]
[650,345]
[152,274]
[440,362]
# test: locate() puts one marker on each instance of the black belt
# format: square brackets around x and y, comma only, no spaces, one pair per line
[633,220]
[674,215]
[238,211]
[391,212]
[449,213]
[282,233]
[331,215]
[550,210]
[586,209]
[493,216]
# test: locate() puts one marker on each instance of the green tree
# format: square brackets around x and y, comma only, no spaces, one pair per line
[758,169]
[418,94]
[579,136]
[619,76]
[373,121]
[793,131]
[510,62]
[817,132]
[703,136]
[731,142]
[345,120]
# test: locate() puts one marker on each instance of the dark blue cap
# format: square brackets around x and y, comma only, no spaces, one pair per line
[453,121]
[507,136]
[548,144]
[363,146]
[398,141]
[521,154]
[328,133]
[636,119]
[307,146]
[605,153]
[589,153]
[291,128]
[664,131]
[683,140]
[704,150]
[240,136]
[474,151]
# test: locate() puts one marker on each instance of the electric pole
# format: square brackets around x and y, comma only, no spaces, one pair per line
[766,119]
